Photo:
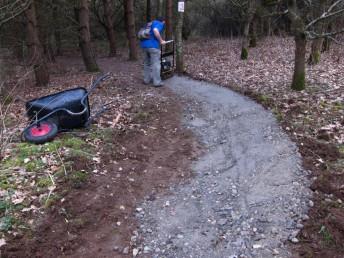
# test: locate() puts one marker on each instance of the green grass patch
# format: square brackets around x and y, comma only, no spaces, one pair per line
[77,178]
[105,134]
[79,153]
[338,106]
[263,99]
[326,236]
[142,116]
[4,206]
[278,114]
[34,165]
[44,182]
[37,159]
[48,202]
[72,142]
[6,223]
[7,182]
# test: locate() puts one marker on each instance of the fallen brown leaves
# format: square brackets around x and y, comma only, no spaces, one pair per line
[317,112]
[33,177]
[314,118]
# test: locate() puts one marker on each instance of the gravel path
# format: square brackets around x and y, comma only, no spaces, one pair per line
[249,193]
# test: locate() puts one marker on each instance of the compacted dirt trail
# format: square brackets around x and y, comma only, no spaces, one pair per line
[248,196]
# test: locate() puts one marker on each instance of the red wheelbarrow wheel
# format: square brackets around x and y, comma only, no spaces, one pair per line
[40,133]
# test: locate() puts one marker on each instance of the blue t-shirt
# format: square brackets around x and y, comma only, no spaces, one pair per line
[153,42]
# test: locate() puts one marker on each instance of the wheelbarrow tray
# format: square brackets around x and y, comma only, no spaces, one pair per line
[67,109]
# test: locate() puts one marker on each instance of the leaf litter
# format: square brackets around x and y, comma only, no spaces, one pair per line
[74,187]
[314,118]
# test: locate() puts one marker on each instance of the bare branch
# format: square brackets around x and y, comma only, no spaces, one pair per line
[11,9]
[313,35]
[326,14]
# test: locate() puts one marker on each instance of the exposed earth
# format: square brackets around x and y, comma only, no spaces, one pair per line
[188,170]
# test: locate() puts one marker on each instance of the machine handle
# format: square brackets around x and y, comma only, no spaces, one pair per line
[169,41]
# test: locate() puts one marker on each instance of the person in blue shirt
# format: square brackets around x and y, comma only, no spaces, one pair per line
[151,50]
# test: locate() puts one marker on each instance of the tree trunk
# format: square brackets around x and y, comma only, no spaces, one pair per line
[58,42]
[48,48]
[109,27]
[131,34]
[19,44]
[160,8]
[245,37]
[82,15]
[57,32]
[268,27]
[314,57]
[169,14]
[148,11]
[299,76]
[245,41]
[179,44]
[253,34]
[298,29]
[326,45]
[36,57]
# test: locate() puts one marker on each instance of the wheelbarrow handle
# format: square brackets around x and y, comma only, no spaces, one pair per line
[95,83]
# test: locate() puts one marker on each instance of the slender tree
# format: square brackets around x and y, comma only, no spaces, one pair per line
[251,9]
[57,31]
[82,16]
[36,57]
[169,14]
[304,27]
[148,11]
[179,43]
[314,57]
[160,8]
[298,27]
[130,28]
[110,32]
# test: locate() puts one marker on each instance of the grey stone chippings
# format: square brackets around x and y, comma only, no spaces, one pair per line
[249,194]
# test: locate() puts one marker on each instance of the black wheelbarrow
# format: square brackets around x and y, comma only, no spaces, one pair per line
[58,112]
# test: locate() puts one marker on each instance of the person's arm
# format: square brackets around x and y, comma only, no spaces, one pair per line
[158,36]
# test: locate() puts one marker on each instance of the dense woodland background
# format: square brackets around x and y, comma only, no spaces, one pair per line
[35,32]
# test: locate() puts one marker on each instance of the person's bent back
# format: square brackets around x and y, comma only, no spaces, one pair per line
[151,50]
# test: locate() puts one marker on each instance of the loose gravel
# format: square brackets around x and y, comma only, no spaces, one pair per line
[249,194]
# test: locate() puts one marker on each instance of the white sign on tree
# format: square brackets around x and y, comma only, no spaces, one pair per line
[181,7]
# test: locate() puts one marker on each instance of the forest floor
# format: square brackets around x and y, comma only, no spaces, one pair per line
[249,193]
[314,119]
[78,195]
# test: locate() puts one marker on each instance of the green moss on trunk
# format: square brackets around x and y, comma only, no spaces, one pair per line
[244,53]
[314,58]
[299,82]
